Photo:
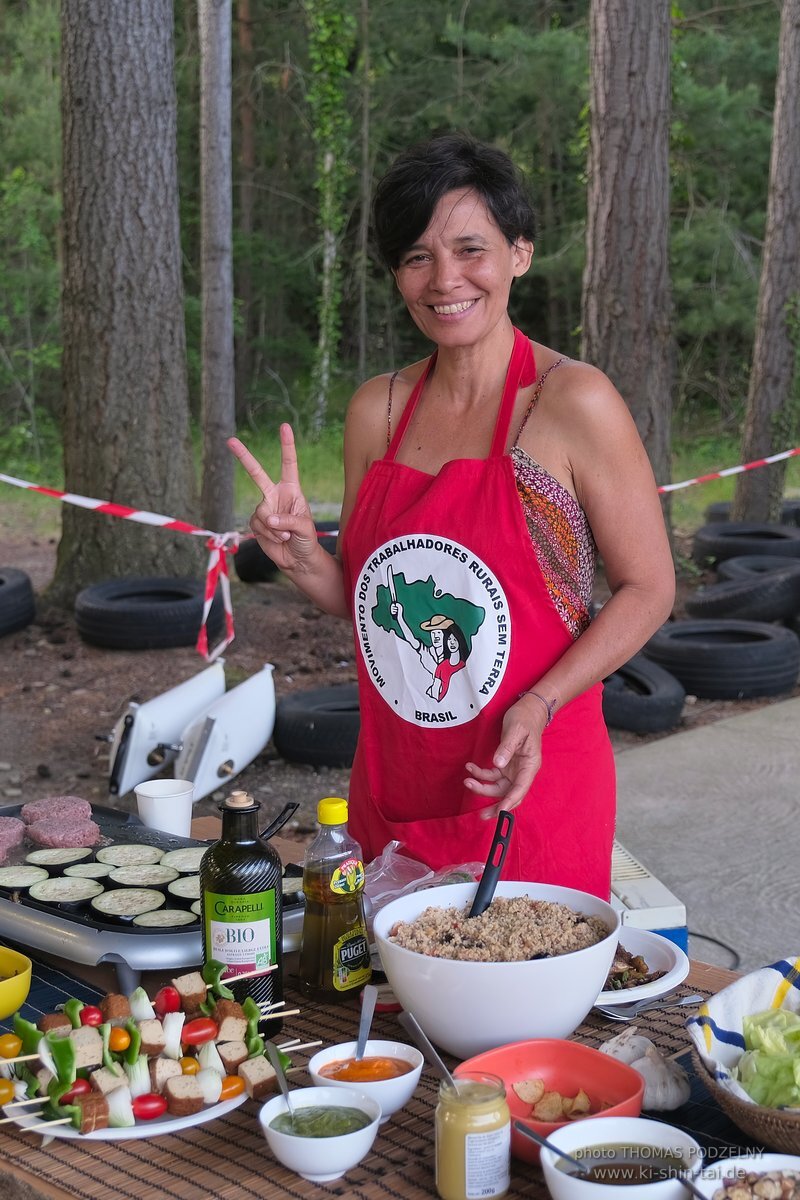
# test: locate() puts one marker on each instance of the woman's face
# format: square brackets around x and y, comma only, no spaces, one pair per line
[456,279]
[452,644]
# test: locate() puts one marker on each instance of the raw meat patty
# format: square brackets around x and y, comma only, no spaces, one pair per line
[65,834]
[57,808]
[12,832]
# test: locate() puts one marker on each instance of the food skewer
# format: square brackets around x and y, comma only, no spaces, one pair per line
[20,1103]
[20,1058]
[287,1012]
[293,1045]
[249,974]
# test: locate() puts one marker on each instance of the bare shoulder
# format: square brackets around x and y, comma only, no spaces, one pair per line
[368,410]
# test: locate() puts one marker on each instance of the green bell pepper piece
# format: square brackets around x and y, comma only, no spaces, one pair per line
[56,1110]
[108,1059]
[132,1053]
[72,1009]
[212,975]
[285,1061]
[27,1032]
[255,1046]
[63,1052]
[253,1014]
[32,1085]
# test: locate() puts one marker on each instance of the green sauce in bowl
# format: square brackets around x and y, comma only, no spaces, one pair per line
[320,1121]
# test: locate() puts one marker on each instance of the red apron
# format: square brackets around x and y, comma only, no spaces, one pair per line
[445,586]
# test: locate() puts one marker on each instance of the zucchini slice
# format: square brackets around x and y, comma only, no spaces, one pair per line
[146,875]
[165,918]
[57,858]
[123,904]
[65,890]
[186,860]
[186,888]
[21,876]
[129,854]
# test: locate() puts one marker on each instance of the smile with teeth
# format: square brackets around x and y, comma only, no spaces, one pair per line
[446,310]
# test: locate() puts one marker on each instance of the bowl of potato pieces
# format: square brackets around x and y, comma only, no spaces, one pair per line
[551,1082]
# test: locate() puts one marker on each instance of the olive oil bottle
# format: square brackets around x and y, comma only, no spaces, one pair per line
[334,955]
[241,889]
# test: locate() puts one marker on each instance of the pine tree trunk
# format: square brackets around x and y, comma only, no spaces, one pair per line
[217,377]
[247,167]
[626,289]
[772,420]
[126,417]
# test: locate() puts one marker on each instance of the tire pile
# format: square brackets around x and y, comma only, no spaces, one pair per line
[742,638]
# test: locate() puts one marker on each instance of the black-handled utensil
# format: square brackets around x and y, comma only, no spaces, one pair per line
[494,864]
[280,820]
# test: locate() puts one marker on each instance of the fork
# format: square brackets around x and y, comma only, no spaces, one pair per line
[629,1012]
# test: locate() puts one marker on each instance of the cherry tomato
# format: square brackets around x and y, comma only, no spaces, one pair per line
[149,1106]
[10,1045]
[90,1015]
[6,1091]
[201,1029]
[118,1039]
[189,1065]
[232,1085]
[81,1087]
[166,1001]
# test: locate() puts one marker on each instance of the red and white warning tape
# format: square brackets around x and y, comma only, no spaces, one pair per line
[759,462]
[218,544]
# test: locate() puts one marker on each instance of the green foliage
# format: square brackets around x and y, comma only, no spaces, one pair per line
[29,213]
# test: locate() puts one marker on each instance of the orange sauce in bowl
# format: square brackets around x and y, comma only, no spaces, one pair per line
[366,1070]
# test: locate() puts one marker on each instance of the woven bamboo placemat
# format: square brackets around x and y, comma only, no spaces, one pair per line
[229,1158]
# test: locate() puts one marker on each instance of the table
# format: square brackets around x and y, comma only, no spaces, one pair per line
[228,1159]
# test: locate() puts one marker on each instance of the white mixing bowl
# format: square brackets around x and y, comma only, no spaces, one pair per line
[469,1007]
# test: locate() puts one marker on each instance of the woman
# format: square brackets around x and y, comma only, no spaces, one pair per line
[479,486]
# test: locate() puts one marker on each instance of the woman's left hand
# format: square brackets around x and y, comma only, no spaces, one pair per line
[515,762]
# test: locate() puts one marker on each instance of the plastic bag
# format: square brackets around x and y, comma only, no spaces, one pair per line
[393,874]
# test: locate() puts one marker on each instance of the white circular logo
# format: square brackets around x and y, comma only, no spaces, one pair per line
[433,626]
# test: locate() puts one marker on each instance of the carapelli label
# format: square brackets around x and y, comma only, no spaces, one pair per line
[433,627]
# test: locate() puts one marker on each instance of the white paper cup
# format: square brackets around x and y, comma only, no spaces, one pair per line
[166,804]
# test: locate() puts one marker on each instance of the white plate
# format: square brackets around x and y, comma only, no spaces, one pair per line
[142,1129]
[710,1178]
[660,954]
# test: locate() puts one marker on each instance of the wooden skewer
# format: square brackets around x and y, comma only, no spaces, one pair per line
[249,974]
[264,1006]
[288,1047]
[19,1058]
[20,1103]
[286,1012]
[41,1125]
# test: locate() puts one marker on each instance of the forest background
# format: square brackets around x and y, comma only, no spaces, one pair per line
[511,72]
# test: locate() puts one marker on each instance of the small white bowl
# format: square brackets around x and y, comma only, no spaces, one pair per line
[616,1131]
[325,1158]
[711,1177]
[391,1094]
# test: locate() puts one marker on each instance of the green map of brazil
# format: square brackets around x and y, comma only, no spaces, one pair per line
[422,600]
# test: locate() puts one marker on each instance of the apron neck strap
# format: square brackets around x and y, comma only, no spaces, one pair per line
[408,411]
[521,373]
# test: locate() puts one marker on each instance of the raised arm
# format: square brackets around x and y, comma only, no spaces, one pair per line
[284,528]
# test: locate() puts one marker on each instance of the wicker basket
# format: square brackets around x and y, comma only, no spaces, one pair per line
[770,1127]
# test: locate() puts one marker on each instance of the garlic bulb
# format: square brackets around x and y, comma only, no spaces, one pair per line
[666,1085]
[628,1045]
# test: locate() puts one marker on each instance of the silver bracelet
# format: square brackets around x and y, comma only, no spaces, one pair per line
[550,705]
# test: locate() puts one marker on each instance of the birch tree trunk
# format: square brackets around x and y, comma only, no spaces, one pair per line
[216,255]
[772,419]
[247,167]
[125,397]
[626,288]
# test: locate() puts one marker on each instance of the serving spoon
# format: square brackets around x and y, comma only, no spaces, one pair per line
[494,864]
[273,1054]
[412,1026]
[369,998]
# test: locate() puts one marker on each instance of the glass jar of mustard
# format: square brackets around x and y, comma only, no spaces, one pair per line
[473,1138]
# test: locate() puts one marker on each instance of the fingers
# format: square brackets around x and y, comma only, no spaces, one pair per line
[289,471]
[251,464]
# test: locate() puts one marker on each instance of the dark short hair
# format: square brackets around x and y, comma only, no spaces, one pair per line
[418,178]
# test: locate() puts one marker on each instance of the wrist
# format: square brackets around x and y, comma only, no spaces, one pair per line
[548,706]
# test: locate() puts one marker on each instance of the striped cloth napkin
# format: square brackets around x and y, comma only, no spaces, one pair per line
[716,1031]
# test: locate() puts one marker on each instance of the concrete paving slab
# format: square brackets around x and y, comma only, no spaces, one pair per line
[714,813]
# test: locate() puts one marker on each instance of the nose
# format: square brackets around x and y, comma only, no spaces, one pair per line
[445,275]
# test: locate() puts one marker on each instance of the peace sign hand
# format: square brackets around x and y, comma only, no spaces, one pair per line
[282,521]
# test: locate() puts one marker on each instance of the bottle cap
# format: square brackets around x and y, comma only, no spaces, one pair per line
[332,811]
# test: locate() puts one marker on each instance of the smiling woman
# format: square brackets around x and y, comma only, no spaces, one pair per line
[479,486]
